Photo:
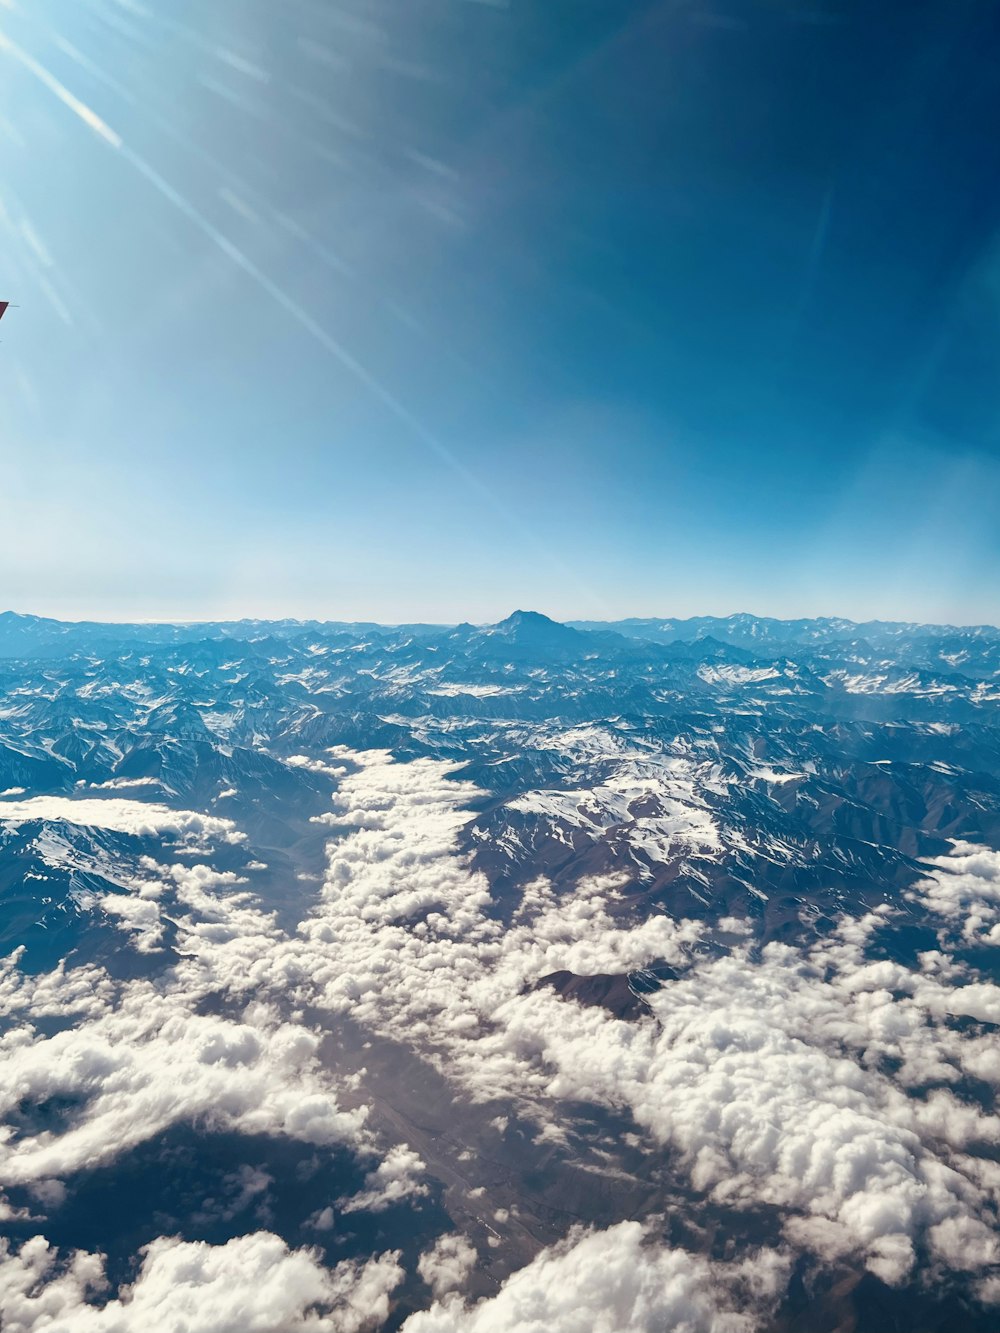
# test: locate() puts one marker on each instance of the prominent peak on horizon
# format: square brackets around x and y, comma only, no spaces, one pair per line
[519,617]
[530,632]
[532,625]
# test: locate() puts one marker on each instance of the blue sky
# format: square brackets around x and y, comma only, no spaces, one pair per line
[424,309]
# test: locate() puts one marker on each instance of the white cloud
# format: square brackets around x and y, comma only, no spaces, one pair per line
[448,1264]
[241,1188]
[316,765]
[84,991]
[616,1280]
[813,1080]
[403,939]
[395,1178]
[964,890]
[149,1062]
[322,1220]
[140,1056]
[139,818]
[771,1077]
[8,1213]
[122,784]
[786,1078]
[253,1284]
[138,915]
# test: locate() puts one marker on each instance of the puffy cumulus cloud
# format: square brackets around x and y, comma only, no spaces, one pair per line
[404,936]
[579,933]
[608,1281]
[120,816]
[819,1082]
[964,889]
[312,765]
[79,992]
[148,1062]
[395,1178]
[448,1264]
[809,1081]
[137,914]
[218,911]
[253,1284]
[138,908]
[140,1056]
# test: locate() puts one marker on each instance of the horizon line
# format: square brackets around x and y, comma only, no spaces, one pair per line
[572,621]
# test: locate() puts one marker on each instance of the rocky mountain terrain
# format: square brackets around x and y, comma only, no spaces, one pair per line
[407,963]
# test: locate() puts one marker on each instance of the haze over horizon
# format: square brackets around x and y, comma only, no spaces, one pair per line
[485,623]
[423,311]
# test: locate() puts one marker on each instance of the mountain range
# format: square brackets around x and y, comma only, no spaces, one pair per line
[469,944]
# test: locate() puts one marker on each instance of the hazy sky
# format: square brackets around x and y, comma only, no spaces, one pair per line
[426,309]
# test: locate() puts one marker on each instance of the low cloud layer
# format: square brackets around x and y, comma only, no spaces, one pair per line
[150,1062]
[824,1082]
[448,1264]
[253,1284]
[788,1078]
[121,816]
[397,1176]
[610,1281]
[964,891]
